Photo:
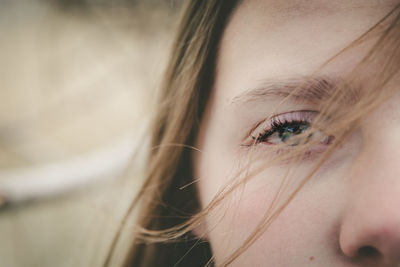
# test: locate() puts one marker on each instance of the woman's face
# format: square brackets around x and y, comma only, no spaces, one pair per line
[348,214]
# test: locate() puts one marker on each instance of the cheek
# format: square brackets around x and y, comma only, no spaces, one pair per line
[241,214]
[215,170]
[231,223]
[304,229]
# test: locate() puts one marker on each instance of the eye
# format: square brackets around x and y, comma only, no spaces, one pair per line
[292,129]
[285,132]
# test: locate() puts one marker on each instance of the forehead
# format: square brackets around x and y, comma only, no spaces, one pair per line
[269,39]
[294,8]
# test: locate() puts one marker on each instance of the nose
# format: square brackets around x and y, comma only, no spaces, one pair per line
[370,225]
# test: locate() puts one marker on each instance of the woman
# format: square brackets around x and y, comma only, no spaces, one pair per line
[276,139]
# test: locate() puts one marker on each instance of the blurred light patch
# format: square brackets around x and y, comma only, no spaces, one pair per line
[77,82]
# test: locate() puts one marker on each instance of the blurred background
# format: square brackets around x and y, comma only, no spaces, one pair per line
[78,79]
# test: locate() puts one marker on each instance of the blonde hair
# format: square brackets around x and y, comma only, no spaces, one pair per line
[169,208]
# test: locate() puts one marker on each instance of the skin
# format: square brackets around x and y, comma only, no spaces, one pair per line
[348,213]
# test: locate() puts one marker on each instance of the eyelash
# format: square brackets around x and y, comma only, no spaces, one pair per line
[278,126]
[286,126]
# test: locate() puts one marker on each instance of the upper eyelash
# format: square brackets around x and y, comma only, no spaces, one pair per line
[275,125]
[280,119]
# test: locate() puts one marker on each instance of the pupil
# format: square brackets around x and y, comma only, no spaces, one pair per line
[291,130]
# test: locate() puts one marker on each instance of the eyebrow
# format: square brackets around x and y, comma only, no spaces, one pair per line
[310,90]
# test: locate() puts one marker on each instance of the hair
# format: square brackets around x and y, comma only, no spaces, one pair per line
[169,208]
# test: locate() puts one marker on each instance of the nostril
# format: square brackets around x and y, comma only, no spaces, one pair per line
[368,252]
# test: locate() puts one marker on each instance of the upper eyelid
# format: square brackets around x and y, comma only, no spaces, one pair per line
[279,116]
[283,116]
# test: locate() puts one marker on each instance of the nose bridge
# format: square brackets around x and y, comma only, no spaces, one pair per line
[372,214]
[380,133]
[374,182]
[378,164]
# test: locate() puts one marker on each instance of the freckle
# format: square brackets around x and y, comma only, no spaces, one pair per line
[312,258]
